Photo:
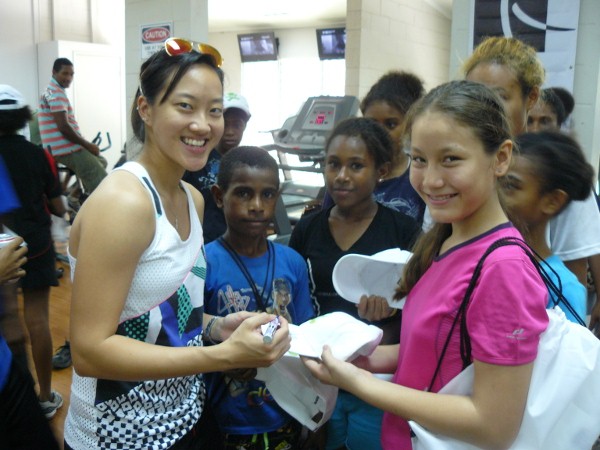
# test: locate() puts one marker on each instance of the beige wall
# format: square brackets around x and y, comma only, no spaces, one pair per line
[382,35]
[25,24]
[395,34]
[189,18]
[586,116]
[228,46]
[29,28]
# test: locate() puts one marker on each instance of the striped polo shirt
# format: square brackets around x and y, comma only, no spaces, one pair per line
[53,100]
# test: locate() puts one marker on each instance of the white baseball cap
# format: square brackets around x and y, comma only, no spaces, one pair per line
[357,275]
[10,98]
[233,100]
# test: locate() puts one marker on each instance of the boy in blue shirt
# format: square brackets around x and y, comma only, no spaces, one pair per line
[246,271]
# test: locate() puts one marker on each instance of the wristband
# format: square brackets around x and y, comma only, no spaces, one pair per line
[207,332]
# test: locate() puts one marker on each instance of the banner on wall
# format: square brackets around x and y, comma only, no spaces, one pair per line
[153,36]
[550,26]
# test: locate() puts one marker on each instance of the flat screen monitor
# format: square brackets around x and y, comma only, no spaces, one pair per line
[258,47]
[331,43]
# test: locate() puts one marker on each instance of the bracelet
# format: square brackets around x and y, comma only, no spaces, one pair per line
[207,332]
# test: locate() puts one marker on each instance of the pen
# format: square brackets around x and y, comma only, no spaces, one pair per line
[270,329]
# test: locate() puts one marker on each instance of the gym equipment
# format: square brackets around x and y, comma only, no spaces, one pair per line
[75,186]
[305,135]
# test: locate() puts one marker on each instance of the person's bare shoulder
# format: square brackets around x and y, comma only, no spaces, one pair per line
[119,211]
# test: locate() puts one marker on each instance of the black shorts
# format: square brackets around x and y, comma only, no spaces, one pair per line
[40,271]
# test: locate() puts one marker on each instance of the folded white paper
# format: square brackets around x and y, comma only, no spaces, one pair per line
[348,337]
[290,383]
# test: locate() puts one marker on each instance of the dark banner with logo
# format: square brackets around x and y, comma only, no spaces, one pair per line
[548,25]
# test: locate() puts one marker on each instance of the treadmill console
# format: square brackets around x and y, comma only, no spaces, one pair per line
[307,134]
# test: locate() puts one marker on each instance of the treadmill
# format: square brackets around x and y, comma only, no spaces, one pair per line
[304,135]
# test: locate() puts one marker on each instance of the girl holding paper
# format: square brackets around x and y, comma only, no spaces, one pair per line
[460,145]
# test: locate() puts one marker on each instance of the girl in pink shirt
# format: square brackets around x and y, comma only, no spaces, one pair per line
[460,145]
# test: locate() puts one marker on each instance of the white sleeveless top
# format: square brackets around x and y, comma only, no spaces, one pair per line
[164,306]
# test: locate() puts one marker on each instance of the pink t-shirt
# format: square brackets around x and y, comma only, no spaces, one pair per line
[505,318]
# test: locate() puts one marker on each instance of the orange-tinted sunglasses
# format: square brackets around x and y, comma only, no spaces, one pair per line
[177,46]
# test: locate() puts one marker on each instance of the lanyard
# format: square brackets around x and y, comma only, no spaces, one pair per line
[270,265]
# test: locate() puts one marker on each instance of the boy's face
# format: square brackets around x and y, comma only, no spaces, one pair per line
[235,124]
[249,202]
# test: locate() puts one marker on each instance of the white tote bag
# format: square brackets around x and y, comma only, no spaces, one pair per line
[563,404]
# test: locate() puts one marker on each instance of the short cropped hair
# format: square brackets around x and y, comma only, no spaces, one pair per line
[245,156]
[59,63]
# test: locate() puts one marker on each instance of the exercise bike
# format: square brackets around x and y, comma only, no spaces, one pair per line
[72,187]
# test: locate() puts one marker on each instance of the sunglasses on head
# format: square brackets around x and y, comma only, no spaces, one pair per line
[178,46]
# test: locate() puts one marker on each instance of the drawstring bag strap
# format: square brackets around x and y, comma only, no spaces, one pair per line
[461,315]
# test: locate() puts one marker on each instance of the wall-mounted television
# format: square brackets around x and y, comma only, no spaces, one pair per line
[258,47]
[331,43]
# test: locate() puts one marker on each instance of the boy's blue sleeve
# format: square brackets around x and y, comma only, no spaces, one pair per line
[302,302]
[210,302]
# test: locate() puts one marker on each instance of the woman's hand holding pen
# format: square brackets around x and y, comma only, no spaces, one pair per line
[246,342]
[226,325]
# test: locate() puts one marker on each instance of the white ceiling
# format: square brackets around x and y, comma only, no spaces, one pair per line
[240,15]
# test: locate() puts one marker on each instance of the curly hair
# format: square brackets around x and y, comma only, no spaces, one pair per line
[12,121]
[519,57]
[376,138]
[398,89]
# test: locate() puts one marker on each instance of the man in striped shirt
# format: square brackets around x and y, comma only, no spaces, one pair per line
[60,132]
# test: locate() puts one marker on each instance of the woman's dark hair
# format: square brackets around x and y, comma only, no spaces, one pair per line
[245,156]
[549,97]
[399,89]
[11,121]
[476,107]
[162,70]
[558,162]
[376,138]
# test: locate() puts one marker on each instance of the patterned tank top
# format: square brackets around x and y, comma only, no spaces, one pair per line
[164,307]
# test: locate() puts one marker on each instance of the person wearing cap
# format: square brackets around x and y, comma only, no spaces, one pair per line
[22,424]
[236,113]
[35,180]
[60,131]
